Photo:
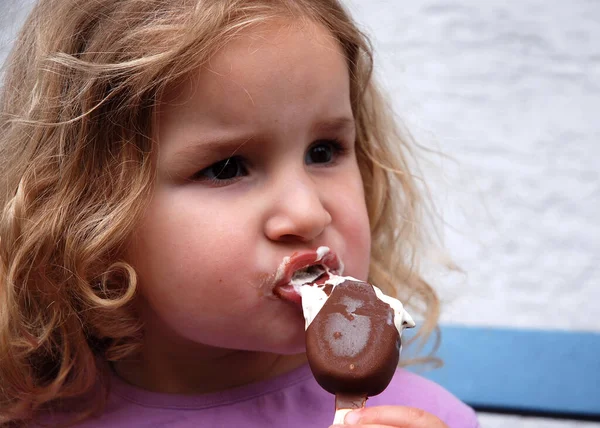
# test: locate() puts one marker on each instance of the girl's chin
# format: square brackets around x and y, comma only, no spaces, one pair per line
[287,343]
[287,348]
[292,346]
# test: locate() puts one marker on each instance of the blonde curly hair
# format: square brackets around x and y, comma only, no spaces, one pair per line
[77,168]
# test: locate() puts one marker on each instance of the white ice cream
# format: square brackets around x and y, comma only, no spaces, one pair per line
[314,297]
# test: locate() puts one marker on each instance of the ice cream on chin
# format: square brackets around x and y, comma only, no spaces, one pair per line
[353,334]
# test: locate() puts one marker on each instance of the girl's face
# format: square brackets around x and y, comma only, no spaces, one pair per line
[256,161]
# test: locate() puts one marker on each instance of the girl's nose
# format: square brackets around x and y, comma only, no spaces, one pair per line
[298,213]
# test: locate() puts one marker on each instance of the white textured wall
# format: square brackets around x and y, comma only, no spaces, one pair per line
[510,91]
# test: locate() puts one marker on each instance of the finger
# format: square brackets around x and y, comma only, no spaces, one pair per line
[374,426]
[362,426]
[394,416]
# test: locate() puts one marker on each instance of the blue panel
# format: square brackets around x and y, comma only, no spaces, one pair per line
[544,372]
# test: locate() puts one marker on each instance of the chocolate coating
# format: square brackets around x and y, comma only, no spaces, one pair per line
[352,344]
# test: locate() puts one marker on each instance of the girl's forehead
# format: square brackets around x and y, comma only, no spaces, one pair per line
[264,51]
[286,66]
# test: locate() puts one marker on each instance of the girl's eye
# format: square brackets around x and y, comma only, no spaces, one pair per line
[324,151]
[227,169]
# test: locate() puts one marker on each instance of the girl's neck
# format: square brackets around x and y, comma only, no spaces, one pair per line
[166,372]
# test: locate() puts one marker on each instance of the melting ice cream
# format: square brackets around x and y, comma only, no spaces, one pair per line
[353,334]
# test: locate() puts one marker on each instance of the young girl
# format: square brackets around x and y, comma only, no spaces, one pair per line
[160,159]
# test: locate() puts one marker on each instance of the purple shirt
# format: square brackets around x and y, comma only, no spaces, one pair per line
[293,400]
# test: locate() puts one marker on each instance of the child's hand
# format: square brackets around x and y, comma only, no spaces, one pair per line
[392,417]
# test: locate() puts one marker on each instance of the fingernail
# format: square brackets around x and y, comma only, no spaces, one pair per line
[352,418]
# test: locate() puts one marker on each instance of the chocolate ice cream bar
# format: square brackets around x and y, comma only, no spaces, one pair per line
[353,337]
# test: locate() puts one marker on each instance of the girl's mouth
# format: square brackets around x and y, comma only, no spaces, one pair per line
[304,267]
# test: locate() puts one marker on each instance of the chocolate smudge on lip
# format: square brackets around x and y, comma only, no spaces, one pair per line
[266,285]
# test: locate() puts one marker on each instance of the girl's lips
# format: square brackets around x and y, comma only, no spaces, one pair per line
[289,293]
[299,260]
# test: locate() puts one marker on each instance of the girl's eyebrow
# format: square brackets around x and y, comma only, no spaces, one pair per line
[338,124]
[207,150]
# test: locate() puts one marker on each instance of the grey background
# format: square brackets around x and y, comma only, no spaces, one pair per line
[509,91]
